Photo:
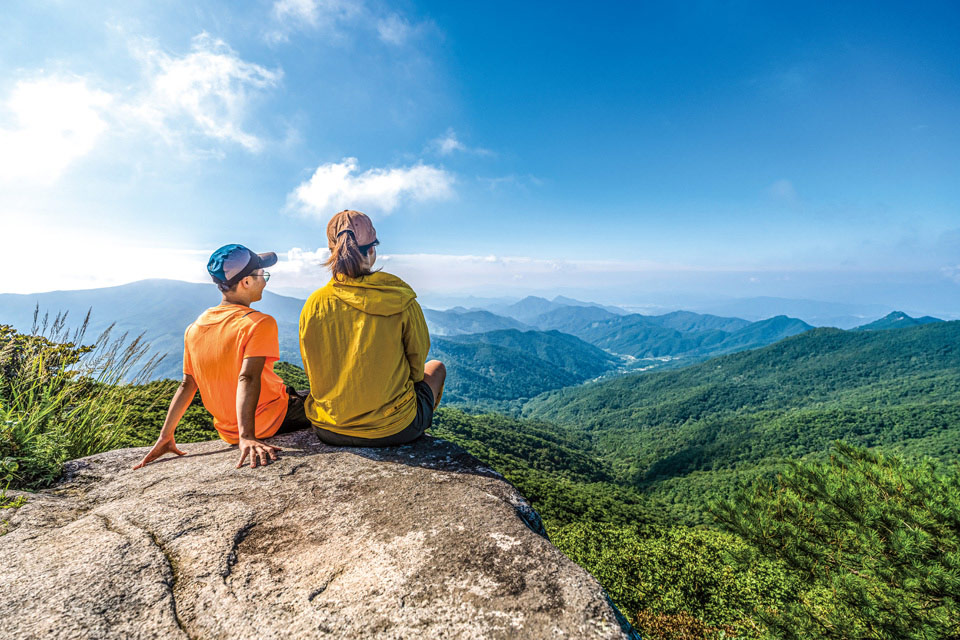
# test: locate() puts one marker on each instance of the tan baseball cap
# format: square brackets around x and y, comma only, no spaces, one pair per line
[354,222]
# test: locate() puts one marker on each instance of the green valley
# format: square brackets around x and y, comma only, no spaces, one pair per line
[691,434]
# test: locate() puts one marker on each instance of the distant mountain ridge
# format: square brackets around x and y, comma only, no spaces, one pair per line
[814,312]
[531,307]
[162,309]
[896,320]
[680,333]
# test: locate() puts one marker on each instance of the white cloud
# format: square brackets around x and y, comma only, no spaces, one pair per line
[336,186]
[521,182]
[53,122]
[49,122]
[314,13]
[335,17]
[394,29]
[449,143]
[208,89]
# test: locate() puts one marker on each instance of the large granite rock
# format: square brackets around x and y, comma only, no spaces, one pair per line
[420,541]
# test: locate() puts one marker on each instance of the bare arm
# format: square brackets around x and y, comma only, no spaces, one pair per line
[182,398]
[248,394]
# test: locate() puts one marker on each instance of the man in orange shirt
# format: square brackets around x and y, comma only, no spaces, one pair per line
[228,355]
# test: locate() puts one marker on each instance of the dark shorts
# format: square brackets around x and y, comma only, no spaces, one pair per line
[421,422]
[296,417]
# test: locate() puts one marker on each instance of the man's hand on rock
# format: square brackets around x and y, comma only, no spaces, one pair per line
[258,452]
[161,447]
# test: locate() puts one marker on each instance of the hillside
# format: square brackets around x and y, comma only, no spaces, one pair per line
[679,334]
[455,322]
[559,349]
[500,369]
[684,434]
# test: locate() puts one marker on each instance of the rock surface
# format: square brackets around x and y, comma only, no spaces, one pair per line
[420,541]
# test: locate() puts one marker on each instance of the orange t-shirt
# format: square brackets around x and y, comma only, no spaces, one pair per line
[214,347]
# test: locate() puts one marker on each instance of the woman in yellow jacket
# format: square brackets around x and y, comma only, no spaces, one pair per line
[364,341]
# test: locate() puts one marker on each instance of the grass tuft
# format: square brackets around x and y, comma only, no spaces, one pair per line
[61,399]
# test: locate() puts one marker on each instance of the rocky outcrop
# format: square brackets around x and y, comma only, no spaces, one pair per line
[420,541]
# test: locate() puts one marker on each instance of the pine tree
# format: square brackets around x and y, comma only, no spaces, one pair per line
[875,542]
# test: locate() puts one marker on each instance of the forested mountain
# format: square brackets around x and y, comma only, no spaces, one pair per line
[571,302]
[458,321]
[677,334]
[690,322]
[678,433]
[499,369]
[896,320]
[559,349]
[571,319]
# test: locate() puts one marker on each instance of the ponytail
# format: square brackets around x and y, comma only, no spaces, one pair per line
[346,258]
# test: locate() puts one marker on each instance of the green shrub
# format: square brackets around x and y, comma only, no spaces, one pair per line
[874,542]
[292,375]
[679,580]
[148,403]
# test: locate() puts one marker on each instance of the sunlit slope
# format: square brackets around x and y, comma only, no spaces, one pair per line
[557,471]
[498,369]
[681,333]
[560,349]
[899,389]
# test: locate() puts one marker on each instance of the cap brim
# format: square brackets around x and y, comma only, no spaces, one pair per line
[267,259]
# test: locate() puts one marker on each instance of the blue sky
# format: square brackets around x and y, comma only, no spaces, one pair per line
[624,152]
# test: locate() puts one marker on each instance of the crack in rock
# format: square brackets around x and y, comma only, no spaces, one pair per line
[174,575]
[326,583]
[238,537]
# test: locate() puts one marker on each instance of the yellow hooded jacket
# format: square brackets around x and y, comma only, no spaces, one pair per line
[364,342]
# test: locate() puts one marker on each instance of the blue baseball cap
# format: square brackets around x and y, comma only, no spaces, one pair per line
[232,263]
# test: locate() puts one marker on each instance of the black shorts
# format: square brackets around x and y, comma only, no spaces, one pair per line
[296,417]
[421,422]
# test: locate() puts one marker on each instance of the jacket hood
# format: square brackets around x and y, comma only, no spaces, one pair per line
[379,294]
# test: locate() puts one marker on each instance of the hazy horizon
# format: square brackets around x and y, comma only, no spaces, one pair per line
[750,308]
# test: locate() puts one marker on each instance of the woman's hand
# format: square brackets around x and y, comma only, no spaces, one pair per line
[162,447]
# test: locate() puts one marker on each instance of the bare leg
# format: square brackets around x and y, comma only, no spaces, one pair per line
[434,373]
